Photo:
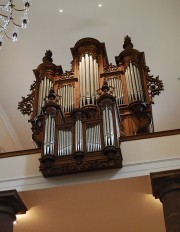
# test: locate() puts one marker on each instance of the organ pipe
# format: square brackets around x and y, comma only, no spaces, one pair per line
[111,126]
[137,83]
[49,135]
[134,85]
[78,135]
[93,138]
[66,100]
[84,80]
[116,83]
[92,79]
[44,87]
[108,127]
[64,142]
[88,79]
[140,84]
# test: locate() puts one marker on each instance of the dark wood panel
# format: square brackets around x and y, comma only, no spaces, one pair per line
[20,153]
[150,135]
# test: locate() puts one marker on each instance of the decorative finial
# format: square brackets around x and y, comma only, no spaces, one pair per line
[127,42]
[105,88]
[51,95]
[48,57]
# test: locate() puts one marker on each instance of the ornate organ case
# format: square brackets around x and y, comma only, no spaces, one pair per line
[78,116]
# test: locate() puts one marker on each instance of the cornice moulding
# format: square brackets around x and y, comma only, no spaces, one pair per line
[128,171]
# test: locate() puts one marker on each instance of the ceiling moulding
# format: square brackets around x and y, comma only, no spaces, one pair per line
[128,171]
[10,128]
[78,116]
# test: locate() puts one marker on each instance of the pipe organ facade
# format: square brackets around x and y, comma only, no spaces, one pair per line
[78,116]
[88,80]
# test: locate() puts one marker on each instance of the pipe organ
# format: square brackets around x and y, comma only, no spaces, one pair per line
[78,116]
[66,94]
[44,87]
[93,138]
[64,142]
[134,86]
[88,79]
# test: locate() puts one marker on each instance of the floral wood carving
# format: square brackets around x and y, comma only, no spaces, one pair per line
[26,105]
[110,68]
[50,167]
[155,86]
[67,75]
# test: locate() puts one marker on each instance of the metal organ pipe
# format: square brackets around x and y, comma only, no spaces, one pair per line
[95,78]
[66,100]
[121,91]
[88,79]
[80,83]
[140,84]
[134,85]
[78,135]
[128,87]
[96,65]
[64,142]
[52,134]
[72,98]
[84,80]
[104,127]
[90,139]
[133,82]
[130,84]
[108,127]
[45,137]
[117,126]
[93,138]
[40,97]
[44,88]
[91,79]
[49,136]
[116,83]
[137,83]
[111,126]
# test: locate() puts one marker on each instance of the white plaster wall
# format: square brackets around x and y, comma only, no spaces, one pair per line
[19,167]
[6,142]
[140,158]
[146,150]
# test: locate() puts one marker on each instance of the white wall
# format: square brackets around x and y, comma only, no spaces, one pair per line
[139,158]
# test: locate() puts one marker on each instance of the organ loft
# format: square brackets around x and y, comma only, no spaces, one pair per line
[79,116]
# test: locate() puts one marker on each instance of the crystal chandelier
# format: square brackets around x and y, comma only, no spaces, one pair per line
[8,24]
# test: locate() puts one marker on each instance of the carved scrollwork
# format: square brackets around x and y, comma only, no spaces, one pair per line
[155,86]
[122,127]
[110,68]
[105,89]
[67,75]
[84,166]
[26,105]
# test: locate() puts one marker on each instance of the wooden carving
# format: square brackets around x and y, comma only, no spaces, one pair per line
[78,116]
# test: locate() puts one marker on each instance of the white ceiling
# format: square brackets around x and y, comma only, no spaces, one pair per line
[153,26]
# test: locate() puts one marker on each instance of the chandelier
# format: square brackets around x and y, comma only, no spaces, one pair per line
[8,24]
